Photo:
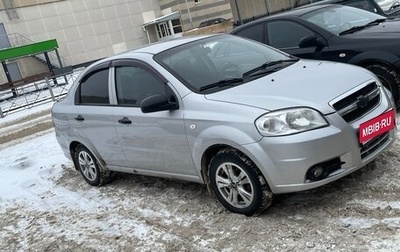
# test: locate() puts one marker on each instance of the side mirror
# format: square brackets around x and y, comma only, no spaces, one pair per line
[312,41]
[157,102]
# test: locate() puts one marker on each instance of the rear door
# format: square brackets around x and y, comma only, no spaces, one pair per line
[92,118]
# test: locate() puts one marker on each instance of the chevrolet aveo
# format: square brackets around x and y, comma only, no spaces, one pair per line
[243,118]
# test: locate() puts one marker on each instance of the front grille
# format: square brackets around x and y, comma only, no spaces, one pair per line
[373,145]
[358,103]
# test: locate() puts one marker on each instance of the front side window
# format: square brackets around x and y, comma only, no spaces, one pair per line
[93,89]
[133,84]
[286,34]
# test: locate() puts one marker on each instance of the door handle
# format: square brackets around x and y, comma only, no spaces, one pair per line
[79,118]
[125,120]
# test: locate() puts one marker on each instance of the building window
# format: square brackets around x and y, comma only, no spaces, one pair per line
[169,28]
[176,26]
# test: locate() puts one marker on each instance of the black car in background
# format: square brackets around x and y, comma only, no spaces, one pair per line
[335,33]
[387,8]
[212,21]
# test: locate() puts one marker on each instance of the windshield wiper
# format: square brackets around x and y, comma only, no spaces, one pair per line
[395,6]
[393,11]
[222,83]
[361,27]
[267,65]
[263,68]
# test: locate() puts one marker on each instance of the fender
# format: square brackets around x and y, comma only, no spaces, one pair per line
[375,56]
[239,140]
[216,135]
[90,147]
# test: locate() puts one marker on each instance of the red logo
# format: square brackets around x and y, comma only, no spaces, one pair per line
[377,126]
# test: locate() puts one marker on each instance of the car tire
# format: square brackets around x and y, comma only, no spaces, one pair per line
[238,184]
[91,171]
[389,78]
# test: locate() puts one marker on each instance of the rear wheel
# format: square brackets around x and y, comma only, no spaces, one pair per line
[89,167]
[238,184]
[389,78]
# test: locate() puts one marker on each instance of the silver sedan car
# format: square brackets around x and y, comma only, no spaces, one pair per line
[243,118]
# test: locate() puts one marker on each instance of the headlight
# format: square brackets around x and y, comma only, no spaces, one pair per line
[289,121]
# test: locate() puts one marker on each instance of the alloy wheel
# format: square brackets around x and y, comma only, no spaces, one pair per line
[87,166]
[234,185]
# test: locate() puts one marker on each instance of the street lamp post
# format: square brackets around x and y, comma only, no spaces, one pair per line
[238,13]
[190,15]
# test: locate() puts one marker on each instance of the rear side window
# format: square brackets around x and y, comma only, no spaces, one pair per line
[93,89]
[255,32]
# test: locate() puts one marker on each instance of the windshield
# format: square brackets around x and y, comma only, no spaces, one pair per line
[338,19]
[388,5]
[217,62]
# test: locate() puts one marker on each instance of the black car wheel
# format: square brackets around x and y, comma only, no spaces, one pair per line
[238,184]
[389,78]
[89,167]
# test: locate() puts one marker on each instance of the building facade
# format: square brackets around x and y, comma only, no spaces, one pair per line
[248,9]
[193,12]
[93,29]
[85,30]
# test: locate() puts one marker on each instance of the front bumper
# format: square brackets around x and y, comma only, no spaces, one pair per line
[285,160]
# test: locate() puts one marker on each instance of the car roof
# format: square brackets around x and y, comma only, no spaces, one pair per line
[161,46]
[297,12]
[301,10]
[155,48]
[327,2]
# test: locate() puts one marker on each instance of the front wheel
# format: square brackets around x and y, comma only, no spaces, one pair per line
[89,167]
[389,78]
[238,184]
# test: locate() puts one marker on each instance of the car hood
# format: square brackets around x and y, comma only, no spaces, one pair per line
[388,29]
[306,83]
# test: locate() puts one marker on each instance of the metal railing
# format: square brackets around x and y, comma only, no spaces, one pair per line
[25,97]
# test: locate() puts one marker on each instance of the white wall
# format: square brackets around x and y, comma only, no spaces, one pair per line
[85,30]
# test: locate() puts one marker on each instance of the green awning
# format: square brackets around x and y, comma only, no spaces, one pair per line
[27,50]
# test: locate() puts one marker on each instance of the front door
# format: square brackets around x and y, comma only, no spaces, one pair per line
[286,36]
[13,67]
[163,30]
[152,142]
[14,71]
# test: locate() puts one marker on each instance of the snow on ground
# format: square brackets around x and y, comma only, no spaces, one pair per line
[28,166]
[45,205]
[28,169]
